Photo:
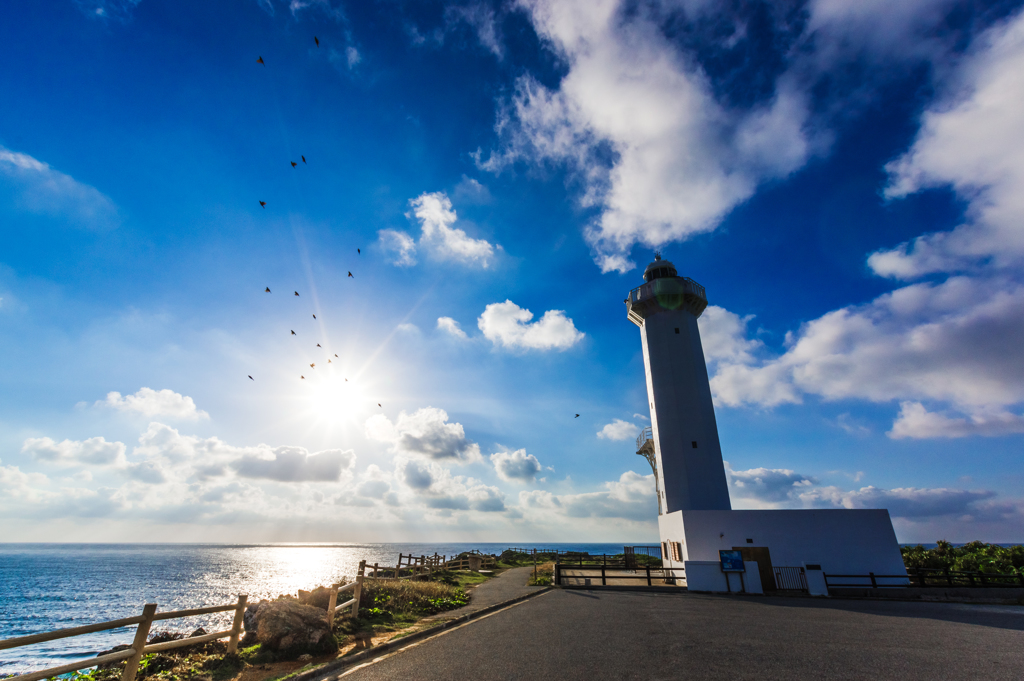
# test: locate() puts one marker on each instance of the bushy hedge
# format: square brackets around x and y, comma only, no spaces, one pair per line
[973,557]
[409,597]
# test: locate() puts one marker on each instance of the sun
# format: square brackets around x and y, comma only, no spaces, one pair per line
[332,398]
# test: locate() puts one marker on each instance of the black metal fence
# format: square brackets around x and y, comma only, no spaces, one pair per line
[790,579]
[924,577]
[590,569]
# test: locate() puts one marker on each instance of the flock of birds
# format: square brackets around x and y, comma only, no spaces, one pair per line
[263,204]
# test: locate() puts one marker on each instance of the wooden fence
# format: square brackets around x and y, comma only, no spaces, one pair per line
[138,648]
[421,567]
[355,587]
[926,578]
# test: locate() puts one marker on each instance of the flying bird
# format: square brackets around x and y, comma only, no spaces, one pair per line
[251,378]
[260,60]
[314,316]
[317,41]
[268,289]
[296,293]
[577,415]
[346,380]
[328,361]
[293,333]
[318,345]
[263,204]
[303,159]
[336,356]
[378,404]
[294,164]
[302,377]
[350,274]
[312,366]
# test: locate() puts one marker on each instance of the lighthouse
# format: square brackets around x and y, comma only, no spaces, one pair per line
[780,549]
[682,443]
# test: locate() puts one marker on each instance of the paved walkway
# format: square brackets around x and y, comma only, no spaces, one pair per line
[506,586]
[595,635]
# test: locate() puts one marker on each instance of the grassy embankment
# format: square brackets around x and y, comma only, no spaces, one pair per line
[388,609]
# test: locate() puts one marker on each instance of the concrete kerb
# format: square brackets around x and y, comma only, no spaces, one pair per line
[362,656]
[624,587]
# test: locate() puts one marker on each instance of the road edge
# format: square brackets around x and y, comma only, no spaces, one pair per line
[362,656]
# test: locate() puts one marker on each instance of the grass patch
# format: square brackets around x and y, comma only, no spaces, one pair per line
[544,576]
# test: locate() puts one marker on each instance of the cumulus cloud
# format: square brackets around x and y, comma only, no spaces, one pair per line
[94,451]
[969,141]
[469,190]
[437,488]
[618,430]
[679,159]
[399,246]
[425,433]
[631,497]
[915,421]
[33,186]
[723,334]
[508,325]
[450,326]
[767,484]
[151,403]
[954,341]
[517,466]
[296,464]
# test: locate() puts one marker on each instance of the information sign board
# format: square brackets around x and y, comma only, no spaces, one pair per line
[732,561]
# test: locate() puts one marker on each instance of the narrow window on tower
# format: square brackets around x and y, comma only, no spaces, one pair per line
[677,329]
[694,443]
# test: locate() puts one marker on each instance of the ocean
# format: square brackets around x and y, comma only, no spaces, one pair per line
[44,587]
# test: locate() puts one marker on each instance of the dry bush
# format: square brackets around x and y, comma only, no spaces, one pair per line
[406,597]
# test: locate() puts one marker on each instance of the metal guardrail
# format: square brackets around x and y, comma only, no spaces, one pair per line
[790,578]
[931,578]
[645,435]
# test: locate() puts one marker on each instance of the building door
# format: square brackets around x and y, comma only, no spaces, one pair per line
[764,564]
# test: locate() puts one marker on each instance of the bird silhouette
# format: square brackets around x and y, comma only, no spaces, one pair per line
[346,380]
[293,164]
[302,377]
[293,333]
[350,274]
[378,404]
[268,289]
[318,345]
[296,293]
[359,251]
[251,378]
[328,361]
[336,356]
[577,415]
[263,204]
[317,40]
[312,365]
[314,316]
[303,159]
[260,60]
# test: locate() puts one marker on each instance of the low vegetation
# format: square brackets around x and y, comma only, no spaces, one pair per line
[975,556]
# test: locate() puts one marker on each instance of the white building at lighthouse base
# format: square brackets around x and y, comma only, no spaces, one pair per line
[780,545]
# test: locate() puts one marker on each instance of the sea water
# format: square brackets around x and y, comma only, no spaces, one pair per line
[44,587]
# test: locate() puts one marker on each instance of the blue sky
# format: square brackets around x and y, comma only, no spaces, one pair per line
[843,178]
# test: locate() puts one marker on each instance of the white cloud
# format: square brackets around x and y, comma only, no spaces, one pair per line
[438,489]
[425,433]
[970,141]
[399,245]
[449,325]
[618,430]
[517,466]
[723,335]
[352,56]
[296,464]
[767,484]
[469,190]
[483,20]
[94,451]
[35,187]
[915,421]
[955,341]
[508,325]
[680,159]
[150,403]
[436,216]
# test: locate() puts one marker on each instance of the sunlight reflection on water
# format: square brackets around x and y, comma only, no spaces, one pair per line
[52,586]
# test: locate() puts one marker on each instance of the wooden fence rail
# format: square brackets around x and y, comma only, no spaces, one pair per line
[355,587]
[138,648]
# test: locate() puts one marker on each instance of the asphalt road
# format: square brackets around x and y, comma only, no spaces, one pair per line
[629,635]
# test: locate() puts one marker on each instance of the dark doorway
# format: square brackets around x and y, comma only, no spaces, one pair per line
[764,564]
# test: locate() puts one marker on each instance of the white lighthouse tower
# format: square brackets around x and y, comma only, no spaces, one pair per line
[781,549]
[682,443]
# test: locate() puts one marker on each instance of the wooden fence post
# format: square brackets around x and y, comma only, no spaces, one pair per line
[332,603]
[236,626]
[358,593]
[141,634]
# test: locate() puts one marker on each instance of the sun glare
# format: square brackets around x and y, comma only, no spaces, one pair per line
[331,398]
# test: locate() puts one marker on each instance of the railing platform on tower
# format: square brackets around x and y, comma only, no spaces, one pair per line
[667,292]
[645,448]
